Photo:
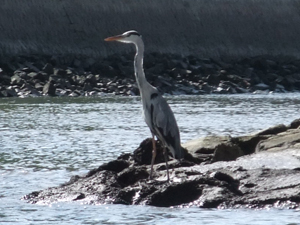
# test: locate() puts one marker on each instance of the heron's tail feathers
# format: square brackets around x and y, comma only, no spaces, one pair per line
[179,153]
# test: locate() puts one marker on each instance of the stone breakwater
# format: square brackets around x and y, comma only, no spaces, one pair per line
[258,170]
[170,73]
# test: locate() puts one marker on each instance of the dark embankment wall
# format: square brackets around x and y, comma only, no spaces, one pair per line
[207,28]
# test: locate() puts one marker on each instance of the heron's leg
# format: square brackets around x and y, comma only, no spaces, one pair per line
[166,159]
[153,155]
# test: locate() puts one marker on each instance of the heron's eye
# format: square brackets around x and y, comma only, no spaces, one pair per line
[134,33]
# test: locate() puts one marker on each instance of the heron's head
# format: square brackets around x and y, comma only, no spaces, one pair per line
[128,37]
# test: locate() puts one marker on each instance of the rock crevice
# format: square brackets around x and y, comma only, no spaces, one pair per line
[266,174]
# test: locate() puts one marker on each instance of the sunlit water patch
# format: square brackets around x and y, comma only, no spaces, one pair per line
[44,141]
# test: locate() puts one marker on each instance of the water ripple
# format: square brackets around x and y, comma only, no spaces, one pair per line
[44,141]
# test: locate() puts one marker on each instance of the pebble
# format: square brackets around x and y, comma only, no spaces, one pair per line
[171,74]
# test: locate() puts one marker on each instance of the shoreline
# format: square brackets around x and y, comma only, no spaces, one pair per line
[254,171]
[34,76]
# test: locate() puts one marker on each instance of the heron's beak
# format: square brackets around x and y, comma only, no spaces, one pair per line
[114,38]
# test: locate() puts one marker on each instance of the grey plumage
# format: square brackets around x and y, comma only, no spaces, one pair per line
[164,124]
[157,113]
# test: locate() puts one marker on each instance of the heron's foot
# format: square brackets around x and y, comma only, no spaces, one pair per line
[151,174]
[150,177]
[168,176]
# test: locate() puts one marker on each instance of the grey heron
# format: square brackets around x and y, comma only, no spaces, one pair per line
[157,113]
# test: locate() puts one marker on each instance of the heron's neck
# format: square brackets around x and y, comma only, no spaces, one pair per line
[138,65]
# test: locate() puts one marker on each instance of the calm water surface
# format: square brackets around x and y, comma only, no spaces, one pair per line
[44,141]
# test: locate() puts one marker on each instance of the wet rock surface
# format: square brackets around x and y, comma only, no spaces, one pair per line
[255,171]
[172,74]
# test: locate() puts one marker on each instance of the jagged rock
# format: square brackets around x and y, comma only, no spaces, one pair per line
[248,143]
[205,145]
[203,149]
[33,75]
[17,80]
[172,74]
[261,86]
[267,178]
[176,194]
[48,68]
[273,130]
[10,92]
[49,88]
[213,80]
[59,72]
[5,79]
[142,155]
[87,86]
[227,152]
[295,124]
[31,67]
[284,140]
[92,79]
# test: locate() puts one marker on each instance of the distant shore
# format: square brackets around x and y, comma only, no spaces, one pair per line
[192,47]
[34,76]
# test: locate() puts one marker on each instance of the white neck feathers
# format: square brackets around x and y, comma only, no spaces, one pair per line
[138,64]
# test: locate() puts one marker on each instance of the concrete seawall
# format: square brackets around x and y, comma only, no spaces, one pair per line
[214,28]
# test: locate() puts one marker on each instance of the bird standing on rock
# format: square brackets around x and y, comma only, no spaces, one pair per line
[157,113]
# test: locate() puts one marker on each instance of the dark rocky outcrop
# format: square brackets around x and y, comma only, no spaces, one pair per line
[233,52]
[253,171]
[171,74]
